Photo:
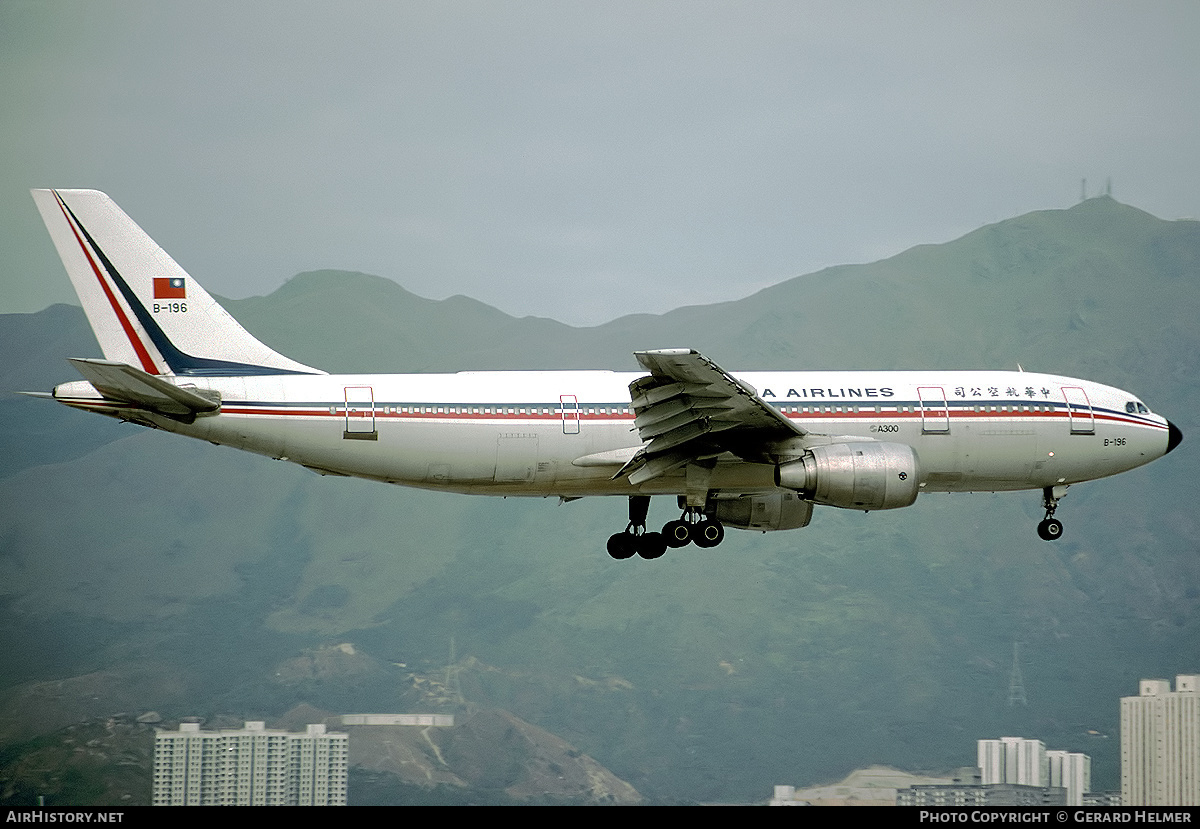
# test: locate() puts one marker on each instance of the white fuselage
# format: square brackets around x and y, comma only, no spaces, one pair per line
[566,433]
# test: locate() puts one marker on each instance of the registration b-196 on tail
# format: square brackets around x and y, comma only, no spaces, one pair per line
[749,450]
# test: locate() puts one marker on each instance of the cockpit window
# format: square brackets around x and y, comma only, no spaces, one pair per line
[1143,409]
[1131,407]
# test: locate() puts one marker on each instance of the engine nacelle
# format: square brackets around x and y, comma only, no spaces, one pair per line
[864,476]
[777,511]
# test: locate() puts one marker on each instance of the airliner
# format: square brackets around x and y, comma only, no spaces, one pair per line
[747,450]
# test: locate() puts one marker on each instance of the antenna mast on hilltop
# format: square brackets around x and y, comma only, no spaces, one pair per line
[1083,190]
[1016,685]
[452,683]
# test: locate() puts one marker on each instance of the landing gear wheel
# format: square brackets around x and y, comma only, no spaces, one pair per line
[1050,530]
[708,533]
[635,539]
[650,545]
[620,546]
[677,533]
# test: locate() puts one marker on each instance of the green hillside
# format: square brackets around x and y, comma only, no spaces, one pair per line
[709,674]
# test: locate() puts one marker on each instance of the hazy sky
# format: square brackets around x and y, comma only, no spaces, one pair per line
[580,160]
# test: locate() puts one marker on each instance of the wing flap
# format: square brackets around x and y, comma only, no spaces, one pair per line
[688,409]
[659,465]
[667,410]
[654,428]
[612,457]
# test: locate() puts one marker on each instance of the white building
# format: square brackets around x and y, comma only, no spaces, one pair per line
[1013,760]
[1071,771]
[251,766]
[1160,743]
[439,720]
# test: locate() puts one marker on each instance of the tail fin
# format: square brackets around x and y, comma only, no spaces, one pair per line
[145,310]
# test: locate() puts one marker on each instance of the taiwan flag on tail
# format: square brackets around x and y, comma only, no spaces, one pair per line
[169,287]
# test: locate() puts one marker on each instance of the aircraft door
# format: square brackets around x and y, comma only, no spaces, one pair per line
[935,411]
[360,414]
[1079,411]
[569,405]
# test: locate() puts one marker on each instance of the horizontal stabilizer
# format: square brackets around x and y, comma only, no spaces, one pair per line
[125,384]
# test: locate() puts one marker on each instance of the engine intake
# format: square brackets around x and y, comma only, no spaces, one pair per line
[865,476]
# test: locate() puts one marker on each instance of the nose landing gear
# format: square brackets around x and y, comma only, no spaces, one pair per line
[1051,529]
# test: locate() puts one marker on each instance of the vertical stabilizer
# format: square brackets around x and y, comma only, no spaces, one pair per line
[144,309]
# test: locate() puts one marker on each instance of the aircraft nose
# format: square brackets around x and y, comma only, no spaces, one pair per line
[1174,436]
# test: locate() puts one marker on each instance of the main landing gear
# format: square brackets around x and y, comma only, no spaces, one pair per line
[691,528]
[1051,529]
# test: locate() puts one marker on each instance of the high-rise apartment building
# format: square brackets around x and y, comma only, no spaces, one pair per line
[1013,760]
[251,766]
[1160,743]
[1071,771]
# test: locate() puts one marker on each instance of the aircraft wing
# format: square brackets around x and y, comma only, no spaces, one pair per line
[125,384]
[690,409]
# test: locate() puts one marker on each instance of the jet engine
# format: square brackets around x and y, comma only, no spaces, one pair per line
[777,511]
[863,476]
